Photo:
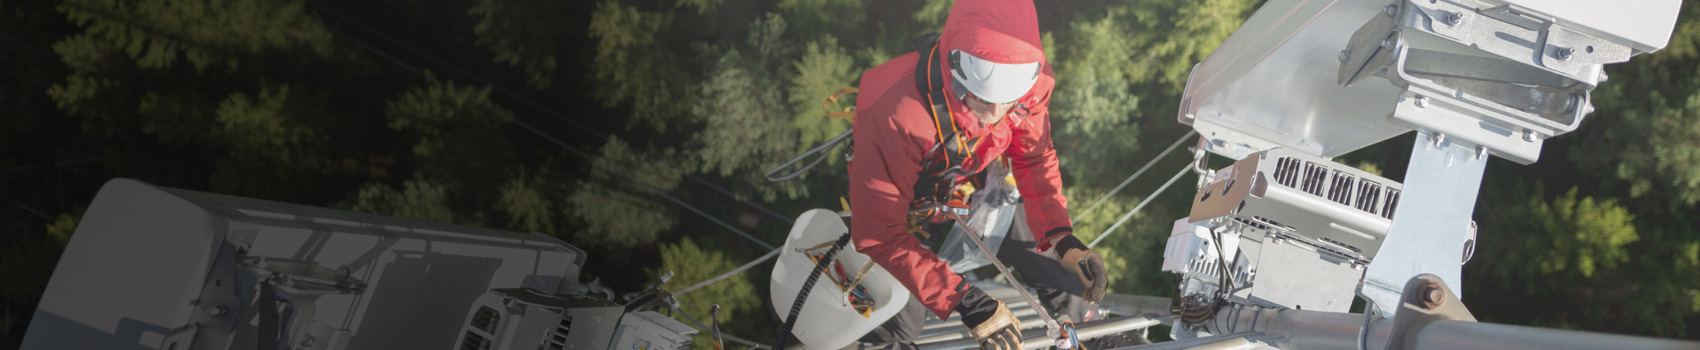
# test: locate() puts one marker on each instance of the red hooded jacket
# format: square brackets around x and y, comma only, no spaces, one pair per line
[893,132]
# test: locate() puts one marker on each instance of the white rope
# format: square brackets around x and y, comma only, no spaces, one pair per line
[1135,175]
[1141,205]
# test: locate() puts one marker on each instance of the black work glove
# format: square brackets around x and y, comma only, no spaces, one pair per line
[1085,263]
[989,321]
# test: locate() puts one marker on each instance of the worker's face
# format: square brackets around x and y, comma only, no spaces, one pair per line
[987,112]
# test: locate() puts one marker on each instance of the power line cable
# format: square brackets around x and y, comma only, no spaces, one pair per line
[1135,175]
[723,276]
[528,102]
[1141,205]
[540,133]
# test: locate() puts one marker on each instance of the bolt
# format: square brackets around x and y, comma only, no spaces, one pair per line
[1603,76]
[1432,294]
[1481,152]
[1390,10]
[1529,135]
[1439,138]
[1345,55]
[216,311]
[1454,18]
[1565,54]
[1387,44]
[1422,101]
[307,342]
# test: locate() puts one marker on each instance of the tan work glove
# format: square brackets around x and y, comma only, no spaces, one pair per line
[989,321]
[1085,263]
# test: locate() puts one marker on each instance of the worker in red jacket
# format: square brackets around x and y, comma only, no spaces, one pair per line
[917,139]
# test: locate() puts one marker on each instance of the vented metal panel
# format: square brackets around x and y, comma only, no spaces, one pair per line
[1392,203]
[1315,177]
[1287,171]
[473,341]
[1369,193]
[1340,189]
[486,320]
[557,338]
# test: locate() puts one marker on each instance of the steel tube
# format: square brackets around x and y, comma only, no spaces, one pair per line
[1337,330]
[1038,340]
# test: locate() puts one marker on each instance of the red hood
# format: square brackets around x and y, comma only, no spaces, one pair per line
[1002,31]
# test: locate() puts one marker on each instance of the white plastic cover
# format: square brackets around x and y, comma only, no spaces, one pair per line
[827,321]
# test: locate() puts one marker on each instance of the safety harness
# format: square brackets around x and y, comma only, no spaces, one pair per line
[938,188]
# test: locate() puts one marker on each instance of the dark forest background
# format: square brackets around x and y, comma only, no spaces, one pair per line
[568,117]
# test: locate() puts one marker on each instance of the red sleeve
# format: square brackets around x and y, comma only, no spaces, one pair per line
[887,163]
[1034,162]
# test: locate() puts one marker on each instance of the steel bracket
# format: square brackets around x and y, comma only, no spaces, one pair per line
[1426,299]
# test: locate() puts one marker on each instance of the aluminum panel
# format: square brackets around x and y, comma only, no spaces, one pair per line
[1274,83]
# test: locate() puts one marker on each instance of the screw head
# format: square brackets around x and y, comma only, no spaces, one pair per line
[1345,55]
[1565,54]
[1454,18]
[1422,102]
[1481,152]
[1390,10]
[216,311]
[1439,139]
[1432,295]
[1387,44]
[1529,135]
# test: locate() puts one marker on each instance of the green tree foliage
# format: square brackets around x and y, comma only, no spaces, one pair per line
[747,124]
[1645,136]
[237,99]
[208,34]
[691,264]
[823,68]
[522,33]
[1094,103]
[456,133]
[636,65]
[824,16]
[1573,250]
[417,199]
[26,265]
[620,213]
[529,201]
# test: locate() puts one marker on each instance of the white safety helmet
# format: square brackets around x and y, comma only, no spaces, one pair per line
[992,81]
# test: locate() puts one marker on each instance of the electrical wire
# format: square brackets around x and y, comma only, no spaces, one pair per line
[699,326]
[528,102]
[1136,174]
[1136,208]
[723,276]
[540,133]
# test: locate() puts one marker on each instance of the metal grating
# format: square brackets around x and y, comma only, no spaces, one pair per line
[473,341]
[1391,203]
[486,319]
[557,339]
[1369,193]
[1340,188]
[1287,171]
[1315,176]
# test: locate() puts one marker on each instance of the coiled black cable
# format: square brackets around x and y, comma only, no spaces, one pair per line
[803,294]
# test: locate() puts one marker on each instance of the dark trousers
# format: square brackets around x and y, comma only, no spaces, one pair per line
[1057,288]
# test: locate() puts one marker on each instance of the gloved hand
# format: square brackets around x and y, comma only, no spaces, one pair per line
[1084,263]
[989,321]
